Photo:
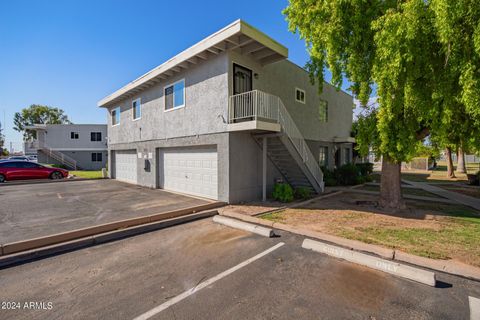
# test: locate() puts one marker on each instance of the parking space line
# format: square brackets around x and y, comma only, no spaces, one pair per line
[204,284]
[474,308]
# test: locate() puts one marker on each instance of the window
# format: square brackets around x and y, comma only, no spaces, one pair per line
[95,136]
[323,156]
[347,155]
[74,135]
[323,111]
[29,165]
[175,95]
[299,95]
[115,116]
[137,109]
[97,157]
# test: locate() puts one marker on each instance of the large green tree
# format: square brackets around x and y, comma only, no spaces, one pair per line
[37,114]
[402,49]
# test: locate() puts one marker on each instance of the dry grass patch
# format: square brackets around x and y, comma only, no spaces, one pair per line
[409,191]
[427,229]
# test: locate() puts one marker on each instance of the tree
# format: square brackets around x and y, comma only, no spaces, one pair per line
[37,114]
[401,48]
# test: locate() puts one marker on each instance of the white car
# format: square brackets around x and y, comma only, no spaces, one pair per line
[33,158]
[19,158]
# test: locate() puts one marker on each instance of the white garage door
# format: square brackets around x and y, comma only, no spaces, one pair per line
[190,170]
[126,166]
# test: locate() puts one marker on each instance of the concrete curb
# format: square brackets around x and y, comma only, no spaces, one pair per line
[351,244]
[237,224]
[76,244]
[397,269]
[447,266]
[24,245]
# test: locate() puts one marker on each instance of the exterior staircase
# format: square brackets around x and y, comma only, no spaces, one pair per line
[62,158]
[283,155]
[287,149]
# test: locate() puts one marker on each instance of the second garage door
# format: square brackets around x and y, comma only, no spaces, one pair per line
[126,165]
[190,170]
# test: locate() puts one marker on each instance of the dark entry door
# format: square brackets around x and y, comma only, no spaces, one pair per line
[242,104]
[242,79]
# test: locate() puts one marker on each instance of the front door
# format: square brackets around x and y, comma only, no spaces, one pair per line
[242,104]
[242,79]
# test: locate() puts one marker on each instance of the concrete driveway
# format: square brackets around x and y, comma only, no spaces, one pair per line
[35,210]
[131,277]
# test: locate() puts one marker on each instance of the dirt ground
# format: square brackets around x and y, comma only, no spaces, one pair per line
[427,229]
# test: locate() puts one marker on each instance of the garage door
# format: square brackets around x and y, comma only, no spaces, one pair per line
[191,170]
[126,166]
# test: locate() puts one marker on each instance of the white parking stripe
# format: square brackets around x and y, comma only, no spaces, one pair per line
[204,284]
[474,308]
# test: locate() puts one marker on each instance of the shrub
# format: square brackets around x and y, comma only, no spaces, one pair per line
[303,193]
[61,166]
[282,192]
[365,169]
[347,174]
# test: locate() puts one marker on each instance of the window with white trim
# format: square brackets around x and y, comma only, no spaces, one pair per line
[96,157]
[95,136]
[323,156]
[137,109]
[323,111]
[74,135]
[300,95]
[175,95]
[115,116]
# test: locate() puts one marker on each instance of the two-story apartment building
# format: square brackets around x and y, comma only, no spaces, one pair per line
[76,146]
[227,118]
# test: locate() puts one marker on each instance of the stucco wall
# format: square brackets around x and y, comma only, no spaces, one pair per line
[58,136]
[205,111]
[281,79]
[83,158]
[150,177]
[246,169]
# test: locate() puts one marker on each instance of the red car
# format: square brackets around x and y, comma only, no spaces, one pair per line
[17,170]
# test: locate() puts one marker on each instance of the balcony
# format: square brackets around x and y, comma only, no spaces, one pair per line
[262,113]
[254,111]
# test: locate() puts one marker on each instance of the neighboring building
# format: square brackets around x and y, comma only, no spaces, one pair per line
[227,118]
[76,146]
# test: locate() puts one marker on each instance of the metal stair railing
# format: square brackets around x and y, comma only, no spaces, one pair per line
[57,155]
[256,104]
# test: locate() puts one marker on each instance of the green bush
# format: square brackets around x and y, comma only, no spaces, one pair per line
[61,166]
[329,177]
[365,169]
[303,193]
[347,174]
[282,192]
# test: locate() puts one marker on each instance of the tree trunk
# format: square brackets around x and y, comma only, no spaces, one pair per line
[461,161]
[391,186]
[450,170]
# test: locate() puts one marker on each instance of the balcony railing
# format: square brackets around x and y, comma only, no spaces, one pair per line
[57,155]
[259,105]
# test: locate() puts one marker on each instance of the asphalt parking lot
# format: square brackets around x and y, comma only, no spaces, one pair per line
[34,210]
[129,278]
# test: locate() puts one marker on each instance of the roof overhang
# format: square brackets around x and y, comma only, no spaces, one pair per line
[36,127]
[344,140]
[238,36]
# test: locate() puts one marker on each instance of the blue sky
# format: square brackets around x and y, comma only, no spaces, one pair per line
[70,54]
